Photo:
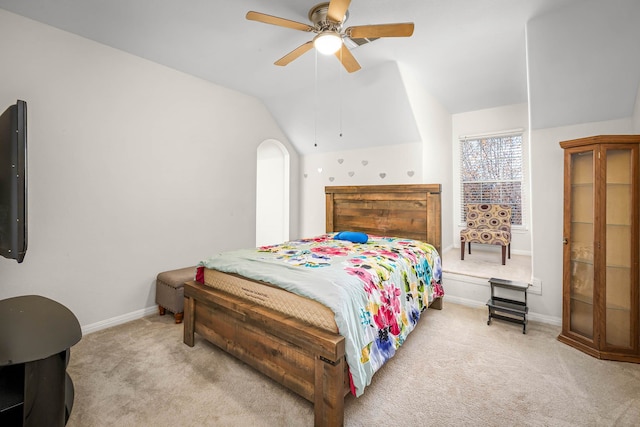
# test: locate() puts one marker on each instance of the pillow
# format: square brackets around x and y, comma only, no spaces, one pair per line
[352,236]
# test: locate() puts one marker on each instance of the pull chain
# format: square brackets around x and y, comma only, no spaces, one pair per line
[340,84]
[315,107]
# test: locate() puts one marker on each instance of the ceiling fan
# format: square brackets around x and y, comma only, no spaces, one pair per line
[327,19]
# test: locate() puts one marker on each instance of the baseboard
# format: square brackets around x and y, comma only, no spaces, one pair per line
[463,301]
[118,320]
[543,318]
[139,314]
[536,317]
[474,280]
[535,286]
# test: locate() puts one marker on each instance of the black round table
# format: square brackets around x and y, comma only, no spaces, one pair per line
[35,336]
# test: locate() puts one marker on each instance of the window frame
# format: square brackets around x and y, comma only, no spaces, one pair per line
[524,188]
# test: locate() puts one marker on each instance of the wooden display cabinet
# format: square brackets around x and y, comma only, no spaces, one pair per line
[601,296]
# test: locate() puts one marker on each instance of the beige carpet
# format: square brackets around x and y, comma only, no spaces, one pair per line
[453,370]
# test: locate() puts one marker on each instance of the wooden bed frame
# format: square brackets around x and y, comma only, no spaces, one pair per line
[306,359]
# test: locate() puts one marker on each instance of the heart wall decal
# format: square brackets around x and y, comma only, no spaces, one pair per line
[340,161]
[351,173]
[382,175]
[410,173]
[331,178]
[365,163]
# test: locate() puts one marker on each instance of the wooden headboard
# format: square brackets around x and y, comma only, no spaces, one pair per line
[411,211]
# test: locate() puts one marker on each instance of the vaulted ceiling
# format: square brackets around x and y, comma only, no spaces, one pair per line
[574,61]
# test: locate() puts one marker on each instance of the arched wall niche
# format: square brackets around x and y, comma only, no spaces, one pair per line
[272,193]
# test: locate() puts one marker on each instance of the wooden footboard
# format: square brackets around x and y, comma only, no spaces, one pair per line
[305,359]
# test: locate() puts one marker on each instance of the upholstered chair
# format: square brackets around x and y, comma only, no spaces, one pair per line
[487,224]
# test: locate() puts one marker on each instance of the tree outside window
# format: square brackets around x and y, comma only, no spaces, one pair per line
[491,172]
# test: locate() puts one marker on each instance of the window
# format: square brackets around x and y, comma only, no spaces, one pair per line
[491,171]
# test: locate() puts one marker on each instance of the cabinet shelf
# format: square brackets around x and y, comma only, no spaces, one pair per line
[586,299]
[582,261]
[618,308]
[618,266]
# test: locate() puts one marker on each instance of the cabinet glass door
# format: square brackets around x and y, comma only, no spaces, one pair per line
[581,237]
[619,279]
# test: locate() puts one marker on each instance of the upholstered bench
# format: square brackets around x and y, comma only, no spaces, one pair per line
[170,291]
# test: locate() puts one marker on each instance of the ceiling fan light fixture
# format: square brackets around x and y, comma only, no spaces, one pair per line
[327,42]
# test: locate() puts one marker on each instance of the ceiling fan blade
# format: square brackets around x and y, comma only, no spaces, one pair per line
[381,30]
[281,22]
[337,9]
[348,60]
[295,53]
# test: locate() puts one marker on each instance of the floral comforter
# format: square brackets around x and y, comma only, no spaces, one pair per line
[376,289]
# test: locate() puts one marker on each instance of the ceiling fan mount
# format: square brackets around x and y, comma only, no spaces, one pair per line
[328,19]
[318,15]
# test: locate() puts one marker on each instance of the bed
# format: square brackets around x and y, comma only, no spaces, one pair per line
[305,352]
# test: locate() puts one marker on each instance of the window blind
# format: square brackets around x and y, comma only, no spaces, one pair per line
[492,172]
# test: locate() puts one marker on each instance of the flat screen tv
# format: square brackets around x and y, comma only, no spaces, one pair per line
[13,182]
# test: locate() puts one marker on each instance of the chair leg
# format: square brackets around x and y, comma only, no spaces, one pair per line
[504,253]
[462,251]
[469,248]
[509,250]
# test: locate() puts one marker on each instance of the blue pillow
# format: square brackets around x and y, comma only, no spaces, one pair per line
[352,236]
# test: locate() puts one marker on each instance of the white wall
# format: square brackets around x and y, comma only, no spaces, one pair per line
[434,125]
[547,172]
[397,164]
[487,121]
[336,109]
[134,168]
[425,162]
[636,114]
